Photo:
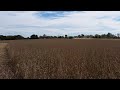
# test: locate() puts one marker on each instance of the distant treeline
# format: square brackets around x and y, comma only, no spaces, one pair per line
[17,37]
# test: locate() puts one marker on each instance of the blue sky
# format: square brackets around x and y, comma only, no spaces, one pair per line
[59,22]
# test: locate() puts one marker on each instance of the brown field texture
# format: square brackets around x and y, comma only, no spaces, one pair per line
[61,59]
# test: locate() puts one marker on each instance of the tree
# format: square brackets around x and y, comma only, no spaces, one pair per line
[44,36]
[59,36]
[65,36]
[79,36]
[97,36]
[82,35]
[54,36]
[34,36]
[118,35]
[70,37]
[109,35]
[91,36]
[3,37]
[103,36]
[41,37]
[19,37]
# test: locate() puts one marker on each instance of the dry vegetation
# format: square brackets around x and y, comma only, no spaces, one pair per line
[5,71]
[64,59]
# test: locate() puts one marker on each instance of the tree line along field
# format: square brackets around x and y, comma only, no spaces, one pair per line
[63,59]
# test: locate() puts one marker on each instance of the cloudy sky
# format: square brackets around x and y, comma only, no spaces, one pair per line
[59,22]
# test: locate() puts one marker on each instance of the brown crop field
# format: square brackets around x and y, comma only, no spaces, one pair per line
[63,59]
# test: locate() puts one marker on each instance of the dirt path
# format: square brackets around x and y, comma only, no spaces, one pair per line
[5,72]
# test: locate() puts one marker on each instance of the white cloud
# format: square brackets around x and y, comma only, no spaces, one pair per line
[88,22]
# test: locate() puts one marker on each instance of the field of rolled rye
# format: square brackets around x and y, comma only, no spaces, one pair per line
[60,59]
